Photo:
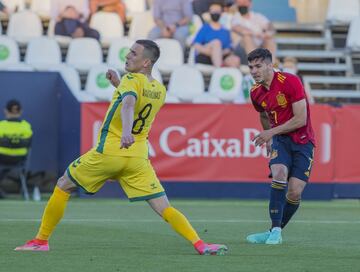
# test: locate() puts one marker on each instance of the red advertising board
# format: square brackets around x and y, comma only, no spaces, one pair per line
[214,142]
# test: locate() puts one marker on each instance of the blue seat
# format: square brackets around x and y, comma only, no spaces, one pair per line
[275,10]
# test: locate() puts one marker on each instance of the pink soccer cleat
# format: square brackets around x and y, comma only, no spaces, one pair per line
[210,249]
[34,245]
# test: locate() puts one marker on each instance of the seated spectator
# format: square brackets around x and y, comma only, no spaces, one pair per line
[71,19]
[15,137]
[290,65]
[3,8]
[171,19]
[213,42]
[254,29]
[116,6]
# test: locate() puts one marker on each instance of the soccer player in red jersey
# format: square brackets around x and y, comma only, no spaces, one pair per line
[285,117]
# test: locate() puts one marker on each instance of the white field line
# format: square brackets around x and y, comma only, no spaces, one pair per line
[104,220]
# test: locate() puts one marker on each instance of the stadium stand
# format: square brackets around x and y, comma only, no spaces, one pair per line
[141,24]
[170,99]
[9,52]
[24,26]
[206,99]
[109,25]
[41,8]
[117,52]
[42,52]
[186,83]
[171,57]
[225,84]
[157,75]
[14,5]
[134,6]
[83,53]
[97,83]
[72,79]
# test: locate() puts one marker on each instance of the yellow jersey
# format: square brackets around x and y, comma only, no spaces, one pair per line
[150,97]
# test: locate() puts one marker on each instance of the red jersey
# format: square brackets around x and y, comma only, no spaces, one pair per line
[285,89]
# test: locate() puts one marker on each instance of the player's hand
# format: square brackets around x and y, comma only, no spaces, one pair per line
[127,141]
[112,76]
[263,137]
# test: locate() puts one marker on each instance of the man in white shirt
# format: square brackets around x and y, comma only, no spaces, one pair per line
[253,29]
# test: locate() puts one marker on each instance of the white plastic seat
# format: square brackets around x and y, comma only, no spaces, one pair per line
[14,5]
[41,7]
[141,24]
[43,52]
[109,26]
[9,52]
[24,26]
[171,57]
[72,80]
[342,11]
[97,83]
[117,53]
[157,75]
[206,99]
[134,6]
[225,84]
[353,38]
[186,83]
[83,53]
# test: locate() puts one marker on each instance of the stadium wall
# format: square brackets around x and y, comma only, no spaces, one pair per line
[53,112]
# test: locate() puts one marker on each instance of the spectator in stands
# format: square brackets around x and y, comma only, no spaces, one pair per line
[71,18]
[171,19]
[213,42]
[15,137]
[3,8]
[116,6]
[254,29]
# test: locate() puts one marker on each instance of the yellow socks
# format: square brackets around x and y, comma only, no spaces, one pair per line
[180,224]
[53,213]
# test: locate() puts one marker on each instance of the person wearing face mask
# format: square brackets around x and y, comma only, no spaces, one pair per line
[213,42]
[254,30]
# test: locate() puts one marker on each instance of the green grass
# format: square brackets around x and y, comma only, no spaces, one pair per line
[113,235]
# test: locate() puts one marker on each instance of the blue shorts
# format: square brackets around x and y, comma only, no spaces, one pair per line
[298,158]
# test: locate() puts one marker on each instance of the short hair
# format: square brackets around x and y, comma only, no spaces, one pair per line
[13,106]
[260,53]
[151,49]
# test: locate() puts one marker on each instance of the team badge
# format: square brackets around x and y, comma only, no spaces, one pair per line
[274,154]
[281,100]
[307,173]
[263,104]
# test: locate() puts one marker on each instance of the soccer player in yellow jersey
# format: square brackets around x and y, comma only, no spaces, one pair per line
[122,153]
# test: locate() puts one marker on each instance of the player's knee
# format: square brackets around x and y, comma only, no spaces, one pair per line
[65,184]
[294,194]
[280,174]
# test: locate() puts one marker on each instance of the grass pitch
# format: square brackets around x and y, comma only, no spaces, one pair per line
[114,235]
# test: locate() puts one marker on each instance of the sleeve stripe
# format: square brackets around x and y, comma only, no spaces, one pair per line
[129,93]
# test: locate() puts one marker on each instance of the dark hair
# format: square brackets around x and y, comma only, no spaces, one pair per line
[260,53]
[13,106]
[151,49]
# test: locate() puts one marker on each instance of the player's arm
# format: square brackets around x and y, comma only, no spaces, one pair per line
[127,117]
[297,121]
[264,120]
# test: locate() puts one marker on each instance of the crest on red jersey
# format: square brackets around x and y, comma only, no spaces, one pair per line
[281,100]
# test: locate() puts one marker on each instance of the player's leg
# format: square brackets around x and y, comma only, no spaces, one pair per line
[293,197]
[182,226]
[280,162]
[88,172]
[139,181]
[299,176]
[52,215]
